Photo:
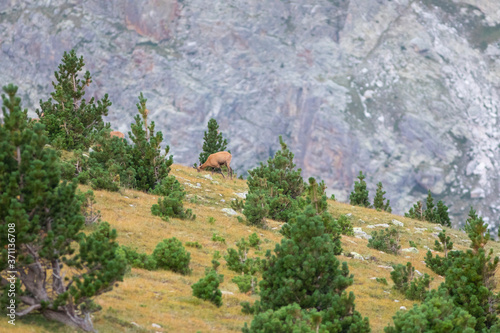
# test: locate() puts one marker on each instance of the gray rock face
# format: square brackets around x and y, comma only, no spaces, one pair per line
[405,90]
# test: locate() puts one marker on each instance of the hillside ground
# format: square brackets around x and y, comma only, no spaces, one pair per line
[164,298]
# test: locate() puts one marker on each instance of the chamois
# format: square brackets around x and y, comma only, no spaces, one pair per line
[217,160]
[117,134]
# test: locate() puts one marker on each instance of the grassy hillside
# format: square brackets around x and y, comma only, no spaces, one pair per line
[165,298]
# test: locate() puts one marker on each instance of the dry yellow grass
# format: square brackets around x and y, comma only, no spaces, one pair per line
[165,298]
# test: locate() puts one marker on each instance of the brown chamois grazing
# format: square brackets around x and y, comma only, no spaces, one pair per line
[216,161]
[117,134]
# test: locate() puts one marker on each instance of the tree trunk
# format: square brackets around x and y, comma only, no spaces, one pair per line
[70,319]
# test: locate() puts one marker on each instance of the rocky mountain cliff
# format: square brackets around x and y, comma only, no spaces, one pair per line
[406,90]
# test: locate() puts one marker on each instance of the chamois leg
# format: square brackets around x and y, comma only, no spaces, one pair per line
[229,170]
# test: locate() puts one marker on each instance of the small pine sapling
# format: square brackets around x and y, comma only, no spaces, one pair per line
[345,225]
[254,240]
[416,212]
[217,238]
[170,205]
[215,260]
[387,241]
[444,244]
[150,165]
[256,208]
[359,197]
[92,215]
[429,212]
[238,205]
[207,288]
[379,200]
[441,214]
[194,244]
[406,281]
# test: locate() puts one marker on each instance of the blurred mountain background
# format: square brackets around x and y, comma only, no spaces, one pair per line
[408,91]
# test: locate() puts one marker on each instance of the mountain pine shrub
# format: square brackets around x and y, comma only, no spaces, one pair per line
[146,157]
[437,314]
[207,288]
[213,141]
[386,241]
[379,202]
[287,319]
[70,120]
[44,215]
[316,281]
[170,205]
[444,244]
[359,197]
[412,286]
[169,254]
[416,212]
[274,189]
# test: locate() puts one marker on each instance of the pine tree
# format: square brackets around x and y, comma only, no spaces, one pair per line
[416,212]
[316,281]
[150,165]
[44,216]
[441,214]
[278,183]
[470,281]
[70,121]
[378,201]
[444,244]
[213,141]
[429,210]
[359,197]
[477,230]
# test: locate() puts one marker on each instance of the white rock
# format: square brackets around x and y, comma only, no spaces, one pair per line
[438,228]
[155,325]
[348,214]
[208,176]
[397,301]
[135,324]
[356,255]
[411,250]
[416,271]
[386,267]
[381,225]
[229,211]
[402,308]
[224,292]
[242,195]
[398,223]
[222,200]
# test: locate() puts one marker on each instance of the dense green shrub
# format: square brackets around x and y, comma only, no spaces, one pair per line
[387,241]
[238,260]
[345,225]
[207,288]
[238,205]
[444,244]
[412,286]
[437,314]
[171,255]
[170,205]
[254,240]
[215,260]
[138,260]
[359,197]
[288,319]
[246,283]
